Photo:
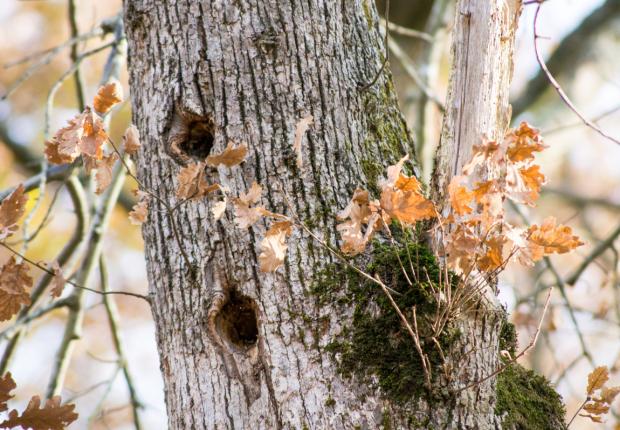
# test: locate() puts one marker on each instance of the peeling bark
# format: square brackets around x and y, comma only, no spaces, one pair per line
[239,348]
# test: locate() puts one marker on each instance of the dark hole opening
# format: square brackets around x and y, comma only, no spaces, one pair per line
[237,321]
[199,140]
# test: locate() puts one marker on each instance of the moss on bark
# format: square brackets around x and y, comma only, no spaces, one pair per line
[376,347]
[525,400]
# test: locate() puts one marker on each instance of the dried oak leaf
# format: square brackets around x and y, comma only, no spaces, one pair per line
[523,184]
[246,214]
[85,135]
[6,386]
[596,408]
[552,238]
[493,258]
[107,96]
[11,210]
[300,130]
[460,196]
[52,416]
[608,394]
[597,379]
[58,281]
[218,209]
[488,153]
[192,182]
[407,207]
[131,140]
[359,213]
[231,156]
[140,210]
[14,283]
[593,418]
[523,142]
[273,246]
[103,177]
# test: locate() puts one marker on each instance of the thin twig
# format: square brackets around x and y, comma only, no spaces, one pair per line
[554,83]
[521,354]
[387,51]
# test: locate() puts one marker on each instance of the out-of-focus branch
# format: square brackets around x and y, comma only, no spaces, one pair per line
[596,252]
[579,200]
[76,191]
[113,320]
[568,52]
[558,88]
[408,32]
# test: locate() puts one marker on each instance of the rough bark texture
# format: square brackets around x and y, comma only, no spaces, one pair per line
[245,350]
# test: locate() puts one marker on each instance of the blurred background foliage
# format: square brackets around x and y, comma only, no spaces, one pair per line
[583,169]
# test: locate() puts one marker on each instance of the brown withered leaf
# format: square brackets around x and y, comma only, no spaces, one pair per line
[493,258]
[273,246]
[231,156]
[523,184]
[52,416]
[103,177]
[11,210]
[394,172]
[553,238]
[596,408]
[523,142]
[360,212]
[85,135]
[218,209]
[245,214]
[6,386]
[107,96]
[140,210]
[14,283]
[300,130]
[593,418]
[192,182]
[58,281]
[407,207]
[487,153]
[597,379]
[608,394]
[460,196]
[131,140]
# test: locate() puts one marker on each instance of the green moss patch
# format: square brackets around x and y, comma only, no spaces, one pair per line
[528,401]
[376,347]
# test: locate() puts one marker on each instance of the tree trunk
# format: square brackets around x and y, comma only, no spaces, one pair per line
[246,350]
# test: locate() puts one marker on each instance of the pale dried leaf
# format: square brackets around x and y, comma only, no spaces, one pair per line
[131,140]
[231,156]
[596,379]
[58,281]
[107,96]
[300,130]
[14,283]
[103,177]
[140,211]
[218,209]
[11,210]
[273,246]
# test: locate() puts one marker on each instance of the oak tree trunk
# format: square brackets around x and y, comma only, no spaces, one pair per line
[241,349]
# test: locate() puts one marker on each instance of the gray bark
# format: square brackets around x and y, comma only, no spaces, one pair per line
[239,348]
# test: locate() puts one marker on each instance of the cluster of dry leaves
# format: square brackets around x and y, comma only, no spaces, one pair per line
[599,395]
[51,416]
[475,234]
[85,136]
